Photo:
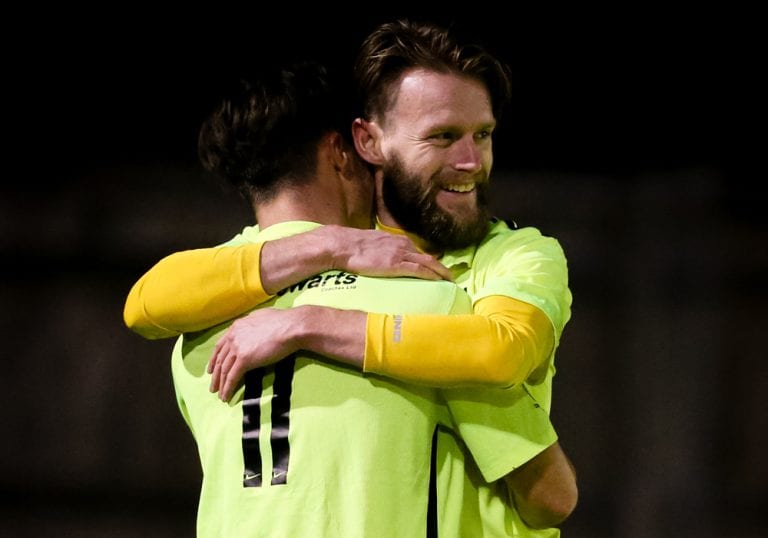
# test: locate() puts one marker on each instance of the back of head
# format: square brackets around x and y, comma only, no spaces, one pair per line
[395,47]
[264,133]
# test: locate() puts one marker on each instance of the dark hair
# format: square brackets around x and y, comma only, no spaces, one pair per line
[263,135]
[395,47]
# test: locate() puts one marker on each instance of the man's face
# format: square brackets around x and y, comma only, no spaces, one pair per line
[436,142]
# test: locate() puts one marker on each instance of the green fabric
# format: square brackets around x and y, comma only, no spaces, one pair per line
[360,446]
[500,429]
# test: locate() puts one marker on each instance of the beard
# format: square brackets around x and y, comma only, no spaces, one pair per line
[415,208]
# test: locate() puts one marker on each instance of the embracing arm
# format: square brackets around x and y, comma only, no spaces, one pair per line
[500,344]
[544,489]
[196,289]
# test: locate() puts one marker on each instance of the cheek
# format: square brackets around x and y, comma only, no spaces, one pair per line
[428,162]
[421,162]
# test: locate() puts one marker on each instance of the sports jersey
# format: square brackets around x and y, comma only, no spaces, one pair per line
[525,265]
[311,448]
[470,506]
[501,428]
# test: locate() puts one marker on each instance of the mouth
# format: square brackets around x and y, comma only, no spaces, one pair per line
[460,187]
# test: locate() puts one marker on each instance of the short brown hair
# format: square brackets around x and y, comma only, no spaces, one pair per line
[395,47]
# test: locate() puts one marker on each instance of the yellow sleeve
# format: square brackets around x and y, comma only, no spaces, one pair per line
[500,345]
[196,289]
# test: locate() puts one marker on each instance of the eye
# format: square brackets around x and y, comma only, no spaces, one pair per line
[482,135]
[444,136]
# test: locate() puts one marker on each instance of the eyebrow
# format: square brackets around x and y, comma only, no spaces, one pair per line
[456,127]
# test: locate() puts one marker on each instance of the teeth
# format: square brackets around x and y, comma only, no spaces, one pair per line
[461,187]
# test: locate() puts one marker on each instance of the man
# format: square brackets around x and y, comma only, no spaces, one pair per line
[428,130]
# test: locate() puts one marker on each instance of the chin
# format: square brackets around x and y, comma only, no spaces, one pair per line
[458,208]
[462,215]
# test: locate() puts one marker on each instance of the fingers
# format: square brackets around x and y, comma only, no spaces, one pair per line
[234,375]
[224,368]
[229,375]
[377,253]
[415,270]
[214,365]
[428,267]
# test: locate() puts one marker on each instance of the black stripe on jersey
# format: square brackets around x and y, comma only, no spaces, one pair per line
[432,504]
[251,424]
[281,408]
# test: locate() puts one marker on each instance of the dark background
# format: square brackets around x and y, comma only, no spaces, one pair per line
[633,139]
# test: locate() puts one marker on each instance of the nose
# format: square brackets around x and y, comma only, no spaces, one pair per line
[468,155]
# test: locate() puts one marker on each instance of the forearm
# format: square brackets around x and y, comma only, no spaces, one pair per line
[268,335]
[336,334]
[195,289]
[544,490]
[500,345]
[445,350]
[365,252]
[289,260]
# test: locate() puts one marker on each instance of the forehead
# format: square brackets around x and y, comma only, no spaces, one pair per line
[425,98]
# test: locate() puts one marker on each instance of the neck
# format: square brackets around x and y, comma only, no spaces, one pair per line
[322,199]
[397,230]
[383,216]
[299,204]
[327,197]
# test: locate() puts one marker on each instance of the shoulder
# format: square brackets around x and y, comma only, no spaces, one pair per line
[250,234]
[503,239]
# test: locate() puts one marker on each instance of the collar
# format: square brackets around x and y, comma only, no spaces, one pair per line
[449,259]
[462,256]
[278,230]
[422,245]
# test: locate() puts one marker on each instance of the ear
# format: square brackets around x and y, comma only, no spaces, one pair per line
[338,150]
[367,137]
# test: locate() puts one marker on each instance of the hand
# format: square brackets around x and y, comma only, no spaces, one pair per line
[377,253]
[259,339]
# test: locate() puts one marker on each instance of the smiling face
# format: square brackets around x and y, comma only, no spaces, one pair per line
[435,143]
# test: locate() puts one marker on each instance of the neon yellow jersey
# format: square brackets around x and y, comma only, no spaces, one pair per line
[485,510]
[311,448]
[501,428]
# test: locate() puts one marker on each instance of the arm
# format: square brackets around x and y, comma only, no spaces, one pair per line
[502,343]
[499,345]
[210,283]
[544,489]
[193,290]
